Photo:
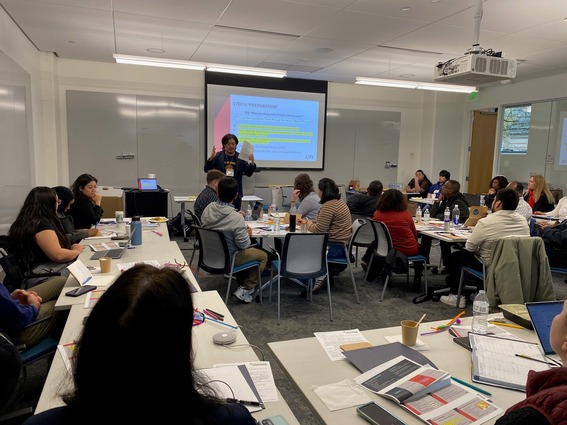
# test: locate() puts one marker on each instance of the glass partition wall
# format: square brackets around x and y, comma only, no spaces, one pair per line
[533,140]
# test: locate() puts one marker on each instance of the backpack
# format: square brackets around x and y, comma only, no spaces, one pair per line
[175,228]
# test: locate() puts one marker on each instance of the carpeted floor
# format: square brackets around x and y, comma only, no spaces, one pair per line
[300,318]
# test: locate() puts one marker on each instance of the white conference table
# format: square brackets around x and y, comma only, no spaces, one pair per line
[434,229]
[307,365]
[207,354]
[154,247]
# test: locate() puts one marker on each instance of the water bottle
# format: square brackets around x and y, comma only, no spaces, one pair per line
[248,216]
[482,201]
[418,215]
[136,231]
[426,216]
[456,215]
[277,224]
[447,219]
[480,313]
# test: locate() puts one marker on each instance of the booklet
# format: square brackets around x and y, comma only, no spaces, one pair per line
[428,393]
[104,246]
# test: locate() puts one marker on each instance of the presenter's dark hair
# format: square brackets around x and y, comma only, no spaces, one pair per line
[137,345]
[227,137]
[80,182]
[508,197]
[446,174]
[228,189]
[392,200]
[329,190]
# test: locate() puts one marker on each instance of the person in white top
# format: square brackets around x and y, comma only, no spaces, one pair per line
[523,207]
[560,210]
[504,221]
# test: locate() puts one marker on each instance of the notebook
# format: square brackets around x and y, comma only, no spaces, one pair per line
[541,314]
[147,184]
[115,252]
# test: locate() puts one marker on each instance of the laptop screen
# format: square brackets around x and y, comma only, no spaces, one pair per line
[541,315]
[147,184]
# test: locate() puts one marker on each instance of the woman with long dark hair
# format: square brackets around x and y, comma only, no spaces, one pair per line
[86,210]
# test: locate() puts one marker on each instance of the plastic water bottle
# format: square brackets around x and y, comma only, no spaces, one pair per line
[447,219]
[136,231]
[482,201]
[418,215]
[248,216]
[456,215]
[426,216]
[277,224]
[480,313]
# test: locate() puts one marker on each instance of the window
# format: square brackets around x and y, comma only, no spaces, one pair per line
[515,129]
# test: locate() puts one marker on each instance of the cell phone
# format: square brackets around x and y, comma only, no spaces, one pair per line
[273,420]
[77,292]
[377,415]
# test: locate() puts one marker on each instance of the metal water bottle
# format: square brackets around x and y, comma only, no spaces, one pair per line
[136,231]
[447,219]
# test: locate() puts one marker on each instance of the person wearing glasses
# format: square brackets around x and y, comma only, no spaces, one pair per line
[86,210]
[137,347]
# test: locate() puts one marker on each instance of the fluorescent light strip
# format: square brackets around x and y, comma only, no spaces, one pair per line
[405,84]
[196,66]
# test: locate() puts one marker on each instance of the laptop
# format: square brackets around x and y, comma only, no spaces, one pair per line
[475,214]
[147,184]
[115,253]
[541,314]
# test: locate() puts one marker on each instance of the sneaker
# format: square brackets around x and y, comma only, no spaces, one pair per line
[363,265]
[319,284]
[451,300]
[244,295]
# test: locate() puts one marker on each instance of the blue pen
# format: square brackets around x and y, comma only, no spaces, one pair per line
[466,384]
[220,323]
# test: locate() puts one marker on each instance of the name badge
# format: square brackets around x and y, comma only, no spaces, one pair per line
[230,172]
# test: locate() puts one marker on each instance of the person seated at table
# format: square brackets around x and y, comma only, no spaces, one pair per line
[309,201]
[538,195]
[419,185]
[504,221]
[436,188]
[333,218]
[560,211]
[546,391]
[22,307]
[86,210]
[523,207]
[66,199]
[137,347]
[555,241]
[392,210]
[450,196]
[497,183]
[37,235]
[209,193]
[365,203]
[221,215]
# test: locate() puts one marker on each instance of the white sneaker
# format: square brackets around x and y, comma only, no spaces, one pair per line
[244,295]
[451,300]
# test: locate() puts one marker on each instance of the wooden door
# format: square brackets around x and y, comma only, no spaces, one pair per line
[483,142]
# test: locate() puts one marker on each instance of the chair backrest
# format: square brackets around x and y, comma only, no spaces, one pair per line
[383,240]
[14,276]
[194,218]
[362,231]
[304,255]
[213,251]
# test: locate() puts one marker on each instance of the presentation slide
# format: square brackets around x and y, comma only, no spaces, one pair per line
[563,143]
[285,128]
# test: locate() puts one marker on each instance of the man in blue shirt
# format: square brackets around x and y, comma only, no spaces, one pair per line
[436,188]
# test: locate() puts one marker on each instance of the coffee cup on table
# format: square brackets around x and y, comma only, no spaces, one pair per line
[105,263]
[409,332]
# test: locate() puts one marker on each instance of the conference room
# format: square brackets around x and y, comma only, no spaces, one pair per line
[74,110]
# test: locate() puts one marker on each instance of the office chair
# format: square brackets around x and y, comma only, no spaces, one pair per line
[303,257]
[363,238]
[214,257]
[473,272]
[196,222]
[383,247]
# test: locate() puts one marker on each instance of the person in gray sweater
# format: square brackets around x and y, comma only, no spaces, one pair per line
[222,216]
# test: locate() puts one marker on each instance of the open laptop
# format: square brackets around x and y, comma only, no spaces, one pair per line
[541,314]
[475,214]
[147,184]
[115,253]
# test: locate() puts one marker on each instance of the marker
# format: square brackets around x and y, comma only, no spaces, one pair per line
[157,233]
[466,384]
[211,314]
[508,325]
[215,313]
[523,356]
[245,402]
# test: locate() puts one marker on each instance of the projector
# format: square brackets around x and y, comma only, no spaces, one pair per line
[474,69]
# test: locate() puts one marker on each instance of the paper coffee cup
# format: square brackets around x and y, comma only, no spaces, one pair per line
[119,217]
[409,332]
[105,263]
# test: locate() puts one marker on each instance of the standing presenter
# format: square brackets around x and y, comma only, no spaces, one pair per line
[229,163]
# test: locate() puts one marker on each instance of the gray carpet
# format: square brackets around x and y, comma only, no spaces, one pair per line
[300,318]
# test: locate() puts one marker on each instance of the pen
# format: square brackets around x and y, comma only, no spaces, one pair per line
[508,325]
[211,314]
[245,402]
[466,384]
[157,233]
[215,313]
[221,323]
[523,356]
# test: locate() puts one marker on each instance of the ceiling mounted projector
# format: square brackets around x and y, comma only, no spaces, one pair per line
[478,65]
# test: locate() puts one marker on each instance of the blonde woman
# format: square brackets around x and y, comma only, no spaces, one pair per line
[538,194]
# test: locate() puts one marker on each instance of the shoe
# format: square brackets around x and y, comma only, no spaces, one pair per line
[473,296]
[244,295]
[451,300]
[416,286]
[320,283]
[363,264]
